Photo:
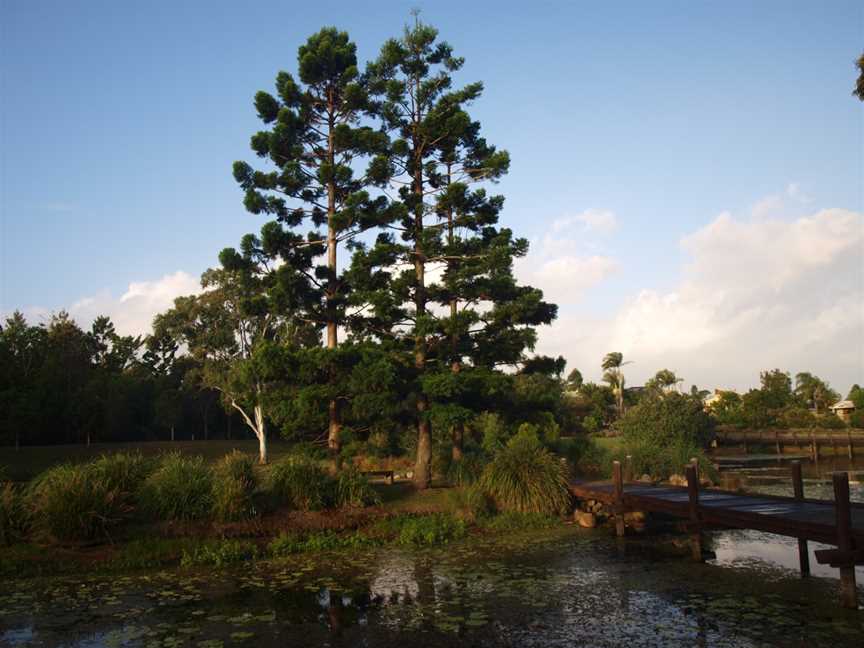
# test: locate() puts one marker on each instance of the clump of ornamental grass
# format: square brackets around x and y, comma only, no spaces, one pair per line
[301,483]
[465,471]
[525,477]
[125,471]
[13,513]
[234,484]
[76,503]
[181,488]
[353,489]
[431,529]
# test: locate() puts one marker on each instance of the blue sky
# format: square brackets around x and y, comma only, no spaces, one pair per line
[120,122]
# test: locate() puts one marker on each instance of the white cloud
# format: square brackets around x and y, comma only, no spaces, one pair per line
[558,263]
[132,312]
[758,293]
[601,221]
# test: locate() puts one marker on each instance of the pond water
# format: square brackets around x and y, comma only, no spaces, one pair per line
[563,587]
[559,587]
[772,477]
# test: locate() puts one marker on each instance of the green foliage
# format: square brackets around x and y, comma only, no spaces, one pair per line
[125,471]
[181,488]
[431,529]
[286,544]
[219,553]
[72,503]
[491,430]
[662,462]
[467,470]
[856,395]
[664,421]
[856,420]
[13,513]
[234,485]
[525,477]
[353,489]
[150,552]
[470,502]
[515,521]
[829,422]
[663,432]
[301,484]
[796,417]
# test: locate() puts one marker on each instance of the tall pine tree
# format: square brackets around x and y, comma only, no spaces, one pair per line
[440,224]
[313,143]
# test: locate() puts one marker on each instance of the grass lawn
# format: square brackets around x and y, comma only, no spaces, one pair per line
[612,444]
[29,461]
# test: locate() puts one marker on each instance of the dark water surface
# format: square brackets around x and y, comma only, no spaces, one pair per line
[562,587]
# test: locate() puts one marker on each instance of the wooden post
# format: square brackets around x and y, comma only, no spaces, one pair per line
[798,489]
[777,442]
[693,495]
[618,481]
[851,453]
[814,449]
[845,543]
[628,468]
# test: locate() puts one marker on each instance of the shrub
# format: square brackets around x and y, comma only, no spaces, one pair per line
[301,483]
[76,503]
[665,420]
[829,422]
[234,484]
[857,419]
[13,514]
[492,430]
[125,471]
[353,489]
[181,488]
[667,461]
[219,553]
[526,477]
[466,471]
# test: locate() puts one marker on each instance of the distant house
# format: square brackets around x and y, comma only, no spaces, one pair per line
[843,409]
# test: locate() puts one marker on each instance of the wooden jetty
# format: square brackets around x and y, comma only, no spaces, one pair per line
[839,523]
[813,441]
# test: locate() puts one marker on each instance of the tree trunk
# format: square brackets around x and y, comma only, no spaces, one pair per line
[423,467]
[458,441]
[335,427]
[458,430]
[261,433]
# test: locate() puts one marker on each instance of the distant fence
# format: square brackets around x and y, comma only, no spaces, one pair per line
[813,441]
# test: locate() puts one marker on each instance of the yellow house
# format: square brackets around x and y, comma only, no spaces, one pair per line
[843,409]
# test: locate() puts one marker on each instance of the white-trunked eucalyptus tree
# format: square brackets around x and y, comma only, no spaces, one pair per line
[249,304]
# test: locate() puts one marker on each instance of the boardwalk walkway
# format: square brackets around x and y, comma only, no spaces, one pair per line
[839,522]
[806,519]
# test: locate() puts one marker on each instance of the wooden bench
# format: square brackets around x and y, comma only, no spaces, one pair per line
[387,474]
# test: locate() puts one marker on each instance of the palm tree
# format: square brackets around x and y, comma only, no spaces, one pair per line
[612,363]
